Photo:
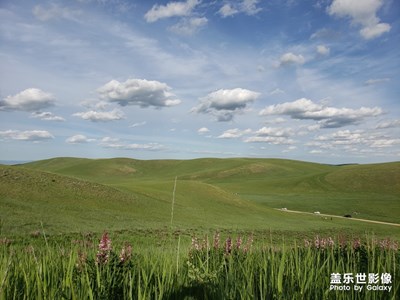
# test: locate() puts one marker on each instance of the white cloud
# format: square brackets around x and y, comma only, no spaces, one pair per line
[172,9]
[276,91]
[248,7]
[329,117]
[353,141]
[29,135]
[227,10]
[375,30]
[78,139]
[274,131]
[114,143]
[47,116]
[362,13]
[189,26]
[31,99]
[272,135]
[203,130]
[234,133]
[224,104]
[376,81]
[54,11]
[101,116]
[291,59]
[138,124]
[141,92]
[389,124]
[274,140]
[323,50]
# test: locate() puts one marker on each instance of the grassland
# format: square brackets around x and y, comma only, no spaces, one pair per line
[78,195]
[53,213]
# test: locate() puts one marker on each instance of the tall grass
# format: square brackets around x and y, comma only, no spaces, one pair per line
[209,268]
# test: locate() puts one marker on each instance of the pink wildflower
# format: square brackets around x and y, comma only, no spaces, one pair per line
[228,245]
[238,242]
[103,253]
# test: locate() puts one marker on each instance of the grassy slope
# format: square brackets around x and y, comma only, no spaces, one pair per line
[211,193]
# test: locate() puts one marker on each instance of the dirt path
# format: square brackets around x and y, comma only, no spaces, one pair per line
[334,216]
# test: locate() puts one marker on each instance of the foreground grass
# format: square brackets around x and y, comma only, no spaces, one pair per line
[191,265]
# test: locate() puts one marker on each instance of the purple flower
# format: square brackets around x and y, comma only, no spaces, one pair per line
[228,245]
[103,253]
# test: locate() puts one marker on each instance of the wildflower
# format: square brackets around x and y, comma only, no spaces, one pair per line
[238,242]
[356,244]
[126,253]
[216,240]
[317,242]
[228,245]
[249,243]
[388,244]
[195,244]
[307,243]
[103,253]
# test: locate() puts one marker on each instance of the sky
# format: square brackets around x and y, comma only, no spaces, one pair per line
[305,80]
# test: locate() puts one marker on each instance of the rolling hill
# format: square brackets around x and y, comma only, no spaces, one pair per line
[77,194]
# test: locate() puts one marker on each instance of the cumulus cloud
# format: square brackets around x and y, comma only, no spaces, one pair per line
[361,13]
[323,50]
[224,104]
[272,135]
[291,59]
[114,143]
[31,99]
[248,7]
[47,116]
[29,135]
[275,131]
[189,26]
[141,92]
[101,116]
[328,117]
[234,133]
[203,130]
[78,139]
[172,9]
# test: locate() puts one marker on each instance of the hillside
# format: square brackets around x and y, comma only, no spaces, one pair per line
[75,194]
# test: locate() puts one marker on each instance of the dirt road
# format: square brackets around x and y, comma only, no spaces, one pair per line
[334,216]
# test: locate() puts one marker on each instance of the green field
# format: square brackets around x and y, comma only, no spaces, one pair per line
[196,229]
[65,195]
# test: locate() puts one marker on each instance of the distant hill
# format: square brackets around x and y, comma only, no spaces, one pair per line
[75,194]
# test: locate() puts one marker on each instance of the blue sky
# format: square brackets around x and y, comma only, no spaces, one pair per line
[308,80]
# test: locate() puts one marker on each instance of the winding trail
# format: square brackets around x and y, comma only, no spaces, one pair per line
[335,216]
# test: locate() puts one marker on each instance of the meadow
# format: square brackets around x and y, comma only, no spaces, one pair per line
[197,229]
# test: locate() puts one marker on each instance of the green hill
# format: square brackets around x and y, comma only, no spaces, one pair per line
[76,194]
